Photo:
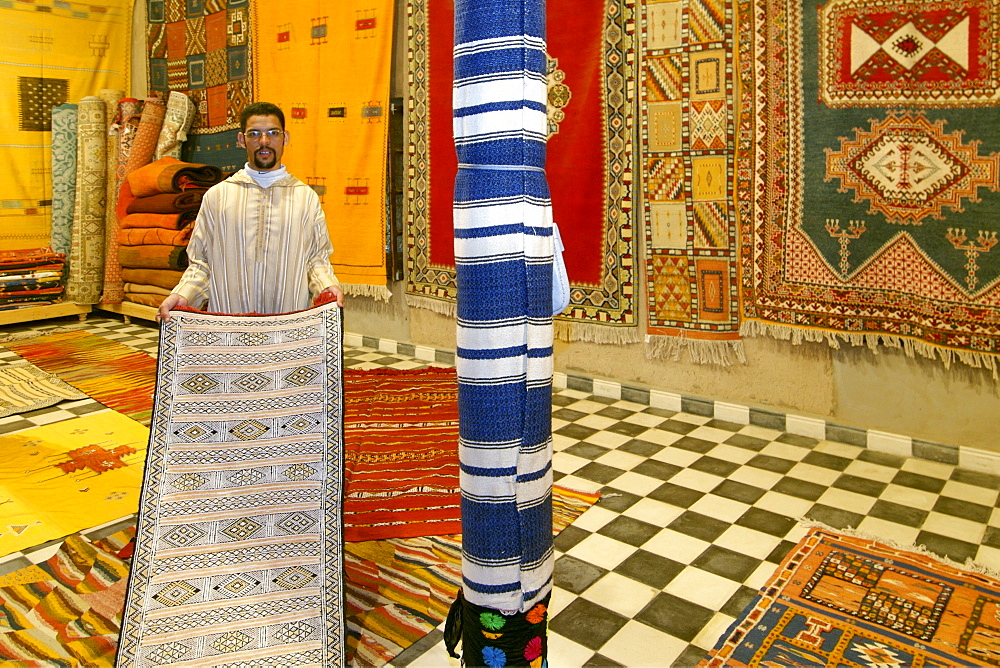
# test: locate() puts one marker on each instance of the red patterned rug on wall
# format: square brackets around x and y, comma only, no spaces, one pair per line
[589,161]
[840,600]
[869,174]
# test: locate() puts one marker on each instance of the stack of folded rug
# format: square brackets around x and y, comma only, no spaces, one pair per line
[157,205]
[31,277]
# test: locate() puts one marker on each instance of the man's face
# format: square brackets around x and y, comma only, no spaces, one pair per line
[264,141]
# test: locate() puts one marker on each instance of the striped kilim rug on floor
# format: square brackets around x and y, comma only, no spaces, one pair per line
[238,556]
[840,600]
[24,387]
[120,377]
[66,610]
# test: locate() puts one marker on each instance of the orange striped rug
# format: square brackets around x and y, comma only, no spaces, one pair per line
[120,377]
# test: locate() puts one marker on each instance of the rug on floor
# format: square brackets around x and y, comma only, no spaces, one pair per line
[66,610]
[401,459]
[120,377]
[68,476]
[238,557]
[24,387]
[841,600]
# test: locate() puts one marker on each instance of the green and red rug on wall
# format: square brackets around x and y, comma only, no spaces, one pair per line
[843,600]
[869,174]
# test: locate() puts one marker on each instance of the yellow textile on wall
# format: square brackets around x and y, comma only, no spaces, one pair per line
[68,476]
[52,52]
[327,66]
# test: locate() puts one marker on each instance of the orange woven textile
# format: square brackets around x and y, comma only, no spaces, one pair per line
[839,600]
[401,453]
[170,175]
[137,236]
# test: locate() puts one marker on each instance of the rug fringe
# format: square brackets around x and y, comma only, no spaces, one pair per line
[718,353]
[440,306]
[912,347]
[970,564]
[572,330]
[34,334]
[379,292]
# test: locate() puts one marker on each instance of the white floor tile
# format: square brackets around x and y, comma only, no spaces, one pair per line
[639,646]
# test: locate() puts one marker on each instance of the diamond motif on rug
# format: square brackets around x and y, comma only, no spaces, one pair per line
[249,430]
[909,169]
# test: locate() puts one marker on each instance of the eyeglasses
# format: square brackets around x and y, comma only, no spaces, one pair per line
[272,134]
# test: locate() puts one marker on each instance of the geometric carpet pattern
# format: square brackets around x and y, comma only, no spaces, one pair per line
[696,513]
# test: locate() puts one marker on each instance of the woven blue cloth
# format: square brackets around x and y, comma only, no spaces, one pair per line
[503,258]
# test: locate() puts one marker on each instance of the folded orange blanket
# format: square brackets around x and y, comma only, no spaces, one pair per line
[144,299]
[170,175]
[138,288]
[164,278]
[189,200]
[169,221]
[153,256]
[140,236]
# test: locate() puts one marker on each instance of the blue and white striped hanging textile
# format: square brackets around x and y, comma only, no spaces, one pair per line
[503,259]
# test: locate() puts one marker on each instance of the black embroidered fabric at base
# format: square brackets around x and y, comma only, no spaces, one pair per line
[494,639]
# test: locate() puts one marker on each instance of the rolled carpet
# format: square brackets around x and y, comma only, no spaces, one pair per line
[138,288]
[145,299]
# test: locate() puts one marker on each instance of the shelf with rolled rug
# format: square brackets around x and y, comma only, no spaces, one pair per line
[32,286]
[156,207]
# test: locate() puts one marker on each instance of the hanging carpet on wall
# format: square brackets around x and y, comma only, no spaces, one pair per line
[202,49]
[239,541]
[870,163]
[590,124]
[840,600]
[330,76]
[58,53]
[687,87]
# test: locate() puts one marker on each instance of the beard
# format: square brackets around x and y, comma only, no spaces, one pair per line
[263,164]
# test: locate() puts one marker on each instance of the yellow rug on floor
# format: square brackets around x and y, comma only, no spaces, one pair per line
[75,474]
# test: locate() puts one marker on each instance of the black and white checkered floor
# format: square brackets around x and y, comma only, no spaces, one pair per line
[695,513]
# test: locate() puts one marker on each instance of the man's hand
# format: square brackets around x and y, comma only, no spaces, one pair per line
[336,293]
[172,301]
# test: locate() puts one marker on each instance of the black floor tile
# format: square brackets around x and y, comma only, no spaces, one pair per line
[881,458]
[640,448]
[629,530]
[677,426]
[699,526]
[964,509]
[801,489]
[675,495]
[614,413]
[827,461]
[650,569]
[726,563]
[689,658]
[739,601]
[992,537]
[746,442]
[765,521]
[657,469]
[586,450]
[779,552]
[676,616]
[796,439]
[598,472]
[725,425]
[738,491]
[916,481]
[575,575]
[617,500]
[838,518]
[587,623]
[769,463]
[601,661]
[627,429]
[957,550]
[577,431]
[978,478]
[692,444]
[714,466]
[898,513]
[567,414]
[569,537]
[859,485]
